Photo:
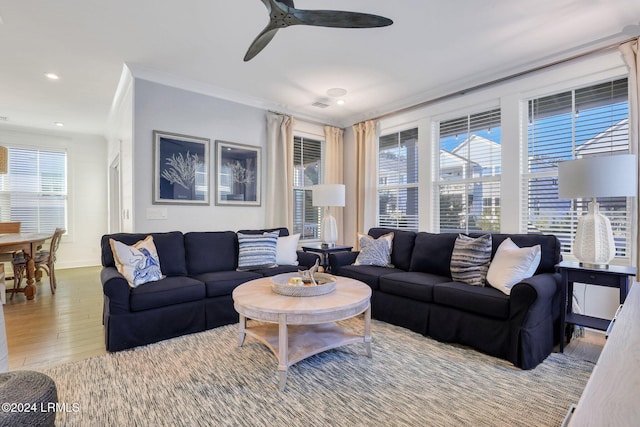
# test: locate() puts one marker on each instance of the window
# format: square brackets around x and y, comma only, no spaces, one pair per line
[307,171]
[469,167]
[398,180]
[590,121]
[34,191]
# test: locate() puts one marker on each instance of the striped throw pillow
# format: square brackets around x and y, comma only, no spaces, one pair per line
[257,251]
[470,259]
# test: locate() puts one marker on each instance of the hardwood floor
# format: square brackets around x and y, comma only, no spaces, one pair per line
[54,329]
[67,326]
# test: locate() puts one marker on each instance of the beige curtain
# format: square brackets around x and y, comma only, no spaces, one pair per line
[366,173]
[334,169]
[630,53]
[279,191]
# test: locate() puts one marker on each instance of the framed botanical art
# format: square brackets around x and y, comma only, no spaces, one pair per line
[237,174]
[181,169]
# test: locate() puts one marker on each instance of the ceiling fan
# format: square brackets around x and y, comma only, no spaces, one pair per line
[283,14]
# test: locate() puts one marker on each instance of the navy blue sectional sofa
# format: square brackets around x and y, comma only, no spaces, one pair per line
[419,294]
[195,295]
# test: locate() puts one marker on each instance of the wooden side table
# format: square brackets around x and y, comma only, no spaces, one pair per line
[324,252]
[615,276]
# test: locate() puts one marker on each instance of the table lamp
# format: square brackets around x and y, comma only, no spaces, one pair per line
[591,177]
[328,195]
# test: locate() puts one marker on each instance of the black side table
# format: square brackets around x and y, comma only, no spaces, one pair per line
[324,252]
[615,276]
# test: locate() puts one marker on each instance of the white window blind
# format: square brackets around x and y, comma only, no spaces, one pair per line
[398,180]
[307,171]
[590,121]
[469,168]
[34,191]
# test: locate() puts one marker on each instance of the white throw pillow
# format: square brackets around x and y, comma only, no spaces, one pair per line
[286,250]
[138,263]
[512,264]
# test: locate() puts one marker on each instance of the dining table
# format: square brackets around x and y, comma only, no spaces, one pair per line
[28,243]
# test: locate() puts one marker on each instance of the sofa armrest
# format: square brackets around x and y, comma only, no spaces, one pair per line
[116,288]
[535,293]
[307,259]
[340,259]
[534,297]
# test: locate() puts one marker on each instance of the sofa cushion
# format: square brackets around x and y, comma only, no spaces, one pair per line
[170,247]
[211,251]
[511,264]
[165,292]
[483,300]
[138,263]
[432,253]
[403,242]
[257,251]
[413,285]
[470,259]
[224,282]
[282,231]
[281,269]
[369,274]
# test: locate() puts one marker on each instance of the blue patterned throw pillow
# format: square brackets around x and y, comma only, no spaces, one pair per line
[257,251]
[470,259]
[138,263]
[375,251]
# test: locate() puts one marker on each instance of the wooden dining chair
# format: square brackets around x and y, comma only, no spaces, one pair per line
[6,228]
[44,261]
[10,227]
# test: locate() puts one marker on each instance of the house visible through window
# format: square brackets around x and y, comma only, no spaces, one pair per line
[34,191]
[469,165]
[398,180]
[307,171]
[590,121]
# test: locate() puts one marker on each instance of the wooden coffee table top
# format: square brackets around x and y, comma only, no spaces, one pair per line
[256,300]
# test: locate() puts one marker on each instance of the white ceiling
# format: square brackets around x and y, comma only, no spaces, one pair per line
[434,47]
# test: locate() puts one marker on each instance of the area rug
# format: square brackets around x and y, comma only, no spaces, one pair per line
[205,379]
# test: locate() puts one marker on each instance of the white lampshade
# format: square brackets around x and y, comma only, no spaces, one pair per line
[328,195]
[591,177]
[600,176]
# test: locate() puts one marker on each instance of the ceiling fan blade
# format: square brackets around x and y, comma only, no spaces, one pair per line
[260,42]
[340,19]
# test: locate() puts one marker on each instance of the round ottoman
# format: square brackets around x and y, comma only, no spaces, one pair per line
[25,398]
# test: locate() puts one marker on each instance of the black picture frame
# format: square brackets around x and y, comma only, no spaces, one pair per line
[238,174]
[181,169]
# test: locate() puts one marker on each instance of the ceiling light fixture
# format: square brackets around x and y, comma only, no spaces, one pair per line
[340,102]
[52,76]
[59,124]
[336,92]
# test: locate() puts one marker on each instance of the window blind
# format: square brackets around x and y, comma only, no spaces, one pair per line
[469,168]
[398,180]
[589,121]
[308,169]
[34,191]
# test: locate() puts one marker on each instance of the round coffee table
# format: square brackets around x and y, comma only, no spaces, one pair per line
[294,328]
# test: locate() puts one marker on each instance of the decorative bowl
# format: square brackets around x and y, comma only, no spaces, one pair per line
[326,283]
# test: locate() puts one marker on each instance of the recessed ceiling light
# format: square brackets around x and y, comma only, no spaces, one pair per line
[59,124]
[52,76]
[340,102]
[336,92]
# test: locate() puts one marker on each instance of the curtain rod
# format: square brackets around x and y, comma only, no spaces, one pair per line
[500,80]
